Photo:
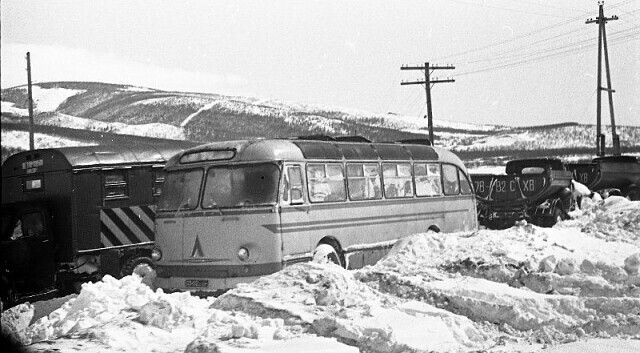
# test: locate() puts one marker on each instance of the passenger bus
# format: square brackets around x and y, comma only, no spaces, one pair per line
[234,211]
[73,214]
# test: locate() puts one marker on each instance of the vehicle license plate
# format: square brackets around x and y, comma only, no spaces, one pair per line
[196,283]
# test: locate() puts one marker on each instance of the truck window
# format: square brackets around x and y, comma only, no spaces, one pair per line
[158,179]
[115,184]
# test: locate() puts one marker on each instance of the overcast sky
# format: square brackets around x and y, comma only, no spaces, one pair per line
[517,62]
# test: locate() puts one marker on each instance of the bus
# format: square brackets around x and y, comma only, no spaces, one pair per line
[73,214]
[234,211]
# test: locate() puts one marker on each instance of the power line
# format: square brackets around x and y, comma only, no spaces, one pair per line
[428,83]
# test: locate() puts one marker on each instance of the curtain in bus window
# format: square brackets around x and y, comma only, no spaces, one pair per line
[428,181]
[450,178]
[180,190]
[232,186]
[465,186]
[326,182]
[364,181]
[397,180]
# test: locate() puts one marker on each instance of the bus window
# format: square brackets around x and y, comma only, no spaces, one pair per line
[181,190]
[465,186]
[397,180]
[364,181]
[450,178]
[115,185]
[428,181]
[292,190]
[230,186]
[326,182]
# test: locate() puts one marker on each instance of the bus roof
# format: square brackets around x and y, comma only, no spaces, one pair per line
[310,149]
[82,157]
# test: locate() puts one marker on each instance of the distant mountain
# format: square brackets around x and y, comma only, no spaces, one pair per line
[90,112]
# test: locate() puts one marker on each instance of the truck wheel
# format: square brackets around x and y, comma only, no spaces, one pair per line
[556,216]
[325,253]
[140,265]
[634,194]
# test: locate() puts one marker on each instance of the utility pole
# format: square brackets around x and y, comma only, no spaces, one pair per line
[428,83]
[602,41]
[30,103]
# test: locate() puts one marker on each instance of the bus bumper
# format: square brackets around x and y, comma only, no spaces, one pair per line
[200,284]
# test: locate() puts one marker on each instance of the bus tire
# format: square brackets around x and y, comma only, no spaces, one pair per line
[325,253]
[140,265]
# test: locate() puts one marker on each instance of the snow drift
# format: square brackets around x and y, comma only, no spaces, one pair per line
[488,290]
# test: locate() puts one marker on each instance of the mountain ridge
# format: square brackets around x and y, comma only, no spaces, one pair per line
[206,117]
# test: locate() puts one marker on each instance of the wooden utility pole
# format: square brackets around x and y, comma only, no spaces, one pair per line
[30,103]
[602,42]
[428,83]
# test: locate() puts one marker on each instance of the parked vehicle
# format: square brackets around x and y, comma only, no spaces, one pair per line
[73,214]
[234,211]
[536,190]
[614,174]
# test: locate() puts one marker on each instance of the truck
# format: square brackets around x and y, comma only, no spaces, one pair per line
[74,214]
[537,190]
[614,174]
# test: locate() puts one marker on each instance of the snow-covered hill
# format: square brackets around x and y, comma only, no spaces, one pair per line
[138,111]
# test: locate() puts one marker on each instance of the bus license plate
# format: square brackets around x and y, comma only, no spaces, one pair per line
[196,283]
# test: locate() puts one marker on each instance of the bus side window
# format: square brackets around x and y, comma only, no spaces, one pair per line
[465,186]
[450,178]
[428,181]
[326,182]
[292,191]
[364,181]
[397,180]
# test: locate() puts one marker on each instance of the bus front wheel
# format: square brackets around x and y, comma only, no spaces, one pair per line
[325,253]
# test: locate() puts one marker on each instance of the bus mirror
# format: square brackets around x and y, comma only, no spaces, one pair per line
[296,197]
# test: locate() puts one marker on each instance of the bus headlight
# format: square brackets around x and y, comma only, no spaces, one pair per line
[156,254]
[243,254]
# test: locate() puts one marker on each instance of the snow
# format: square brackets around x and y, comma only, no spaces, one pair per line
[573,287]
[49,99]
[20,139]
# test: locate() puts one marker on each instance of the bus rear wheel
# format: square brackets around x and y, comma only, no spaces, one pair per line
[325,253]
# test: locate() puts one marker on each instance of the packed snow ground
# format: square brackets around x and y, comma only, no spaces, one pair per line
[521,289]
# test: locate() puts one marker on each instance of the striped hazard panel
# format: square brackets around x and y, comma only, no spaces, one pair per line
[127,225]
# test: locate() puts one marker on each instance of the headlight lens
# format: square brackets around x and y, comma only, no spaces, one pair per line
[243,254]
[156,254]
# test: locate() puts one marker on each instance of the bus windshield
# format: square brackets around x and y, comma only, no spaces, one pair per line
[241,185]
[180,190]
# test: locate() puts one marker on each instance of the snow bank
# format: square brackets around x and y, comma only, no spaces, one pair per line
[493,290]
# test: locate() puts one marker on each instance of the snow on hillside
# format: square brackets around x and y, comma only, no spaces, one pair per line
[521,289]
[20,140]
[48,99]
[11,109]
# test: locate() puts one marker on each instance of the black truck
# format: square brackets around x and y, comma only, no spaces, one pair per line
[537,190]
[614,174]
[73,214]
